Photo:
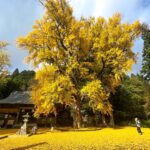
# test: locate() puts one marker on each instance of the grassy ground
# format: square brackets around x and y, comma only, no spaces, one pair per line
[85,139]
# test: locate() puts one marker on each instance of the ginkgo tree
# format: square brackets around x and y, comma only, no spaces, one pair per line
[80,58]
[4,60]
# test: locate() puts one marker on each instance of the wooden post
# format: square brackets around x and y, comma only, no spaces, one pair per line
[17,118]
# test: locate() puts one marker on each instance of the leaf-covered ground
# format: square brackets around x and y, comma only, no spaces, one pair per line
[85,139]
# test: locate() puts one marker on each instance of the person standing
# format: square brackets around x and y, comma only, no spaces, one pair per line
[138,125]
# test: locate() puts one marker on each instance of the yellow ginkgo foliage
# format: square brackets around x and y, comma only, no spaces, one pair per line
[4,59]
[81,57]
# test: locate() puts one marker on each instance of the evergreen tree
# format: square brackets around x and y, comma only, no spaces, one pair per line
[146,53]
[130,99]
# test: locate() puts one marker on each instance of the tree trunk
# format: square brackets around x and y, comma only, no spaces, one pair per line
[78,116]
[104,120]
[112,124]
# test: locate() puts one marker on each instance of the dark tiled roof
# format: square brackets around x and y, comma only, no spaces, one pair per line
[17,97]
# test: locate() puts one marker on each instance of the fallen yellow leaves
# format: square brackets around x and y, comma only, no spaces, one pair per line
[103,139]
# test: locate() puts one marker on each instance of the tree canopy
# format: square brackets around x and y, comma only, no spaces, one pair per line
[17,81]
[79,58]
[4,59]
[130,99]
[146,52]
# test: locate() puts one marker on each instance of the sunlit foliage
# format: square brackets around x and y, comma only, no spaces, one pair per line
[79,58]
[4,59]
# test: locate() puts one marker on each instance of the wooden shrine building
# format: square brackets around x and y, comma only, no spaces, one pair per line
[15,106]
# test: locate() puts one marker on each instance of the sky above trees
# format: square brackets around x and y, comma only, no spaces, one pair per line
[18,16]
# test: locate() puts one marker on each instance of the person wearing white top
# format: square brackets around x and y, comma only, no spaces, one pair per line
[138,126]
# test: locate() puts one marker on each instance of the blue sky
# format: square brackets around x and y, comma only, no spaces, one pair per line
[18,16]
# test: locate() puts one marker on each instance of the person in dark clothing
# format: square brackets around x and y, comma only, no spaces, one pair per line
[138,125]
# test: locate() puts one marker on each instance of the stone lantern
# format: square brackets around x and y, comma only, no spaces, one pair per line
[23,130]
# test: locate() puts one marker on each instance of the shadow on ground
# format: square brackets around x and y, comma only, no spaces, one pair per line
[77,130]
[118,127]
[30,146]
[3,137]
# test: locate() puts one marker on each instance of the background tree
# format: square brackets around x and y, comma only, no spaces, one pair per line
[22,80]
[130,99]
[146,97]
[4,59]
[79,58]
[146,52]
[4,89]
[17,81]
